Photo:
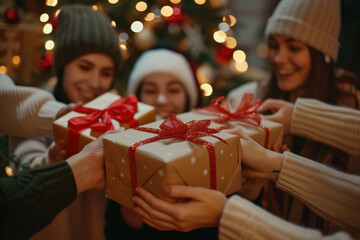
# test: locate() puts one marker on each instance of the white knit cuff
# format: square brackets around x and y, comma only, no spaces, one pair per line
[47,115]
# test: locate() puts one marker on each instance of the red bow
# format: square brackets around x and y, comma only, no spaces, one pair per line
[245,112]
[175,128]
[122,110]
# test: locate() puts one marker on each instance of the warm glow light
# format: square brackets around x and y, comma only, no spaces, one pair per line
[230,42]
[47,28]
[241,66]
[16,59]
[51,3]
[124,51]
[149,17]
[224,26]
[3,69]
[166,11]
[175,1]
[44,17]
[207,88]
[200,2]
[94,7]
[113,1]
[239,56]
[113,23]
[57,12]
[137,26]
[141,6]
[219,36]
[229,19]
[262,50]
[8,171]
[49,45]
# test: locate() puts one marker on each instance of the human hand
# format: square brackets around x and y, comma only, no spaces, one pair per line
[57,151]
[88,165]
[251,188]
[203,209]
[280,149]
[70,107]
[282,112]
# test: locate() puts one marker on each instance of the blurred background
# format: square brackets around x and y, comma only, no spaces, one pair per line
[225,38]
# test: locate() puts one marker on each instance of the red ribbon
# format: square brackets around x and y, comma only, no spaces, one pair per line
[245,112]
[173,127]
[122,110]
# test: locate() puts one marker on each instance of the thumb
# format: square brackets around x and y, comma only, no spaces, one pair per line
[181,191]
[269,104]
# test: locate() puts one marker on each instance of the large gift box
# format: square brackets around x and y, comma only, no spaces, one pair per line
[106,112]
[265,132]
[173,151]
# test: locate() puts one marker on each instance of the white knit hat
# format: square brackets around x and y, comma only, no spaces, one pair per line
[313,22]
[164,60]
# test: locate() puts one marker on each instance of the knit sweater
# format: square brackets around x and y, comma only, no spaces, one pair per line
[331,194]
[35,110]
[31,200]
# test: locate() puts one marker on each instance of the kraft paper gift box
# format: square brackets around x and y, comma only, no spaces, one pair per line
[265,132]
[106,112]
[169,160]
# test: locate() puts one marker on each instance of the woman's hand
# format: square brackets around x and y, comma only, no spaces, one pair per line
[70,107]
[282,112]
[57,151]
[203,209]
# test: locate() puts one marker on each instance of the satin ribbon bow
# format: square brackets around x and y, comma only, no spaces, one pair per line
[175,128]
[245,112]
[122,110]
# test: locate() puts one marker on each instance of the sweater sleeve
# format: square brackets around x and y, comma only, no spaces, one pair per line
[331,194]
[30,200]
[333,125]
[242,219]
[26,111]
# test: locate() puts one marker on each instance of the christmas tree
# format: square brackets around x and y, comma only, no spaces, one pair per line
[201,29]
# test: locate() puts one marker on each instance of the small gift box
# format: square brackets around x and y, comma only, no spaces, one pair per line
[265,132]
[106,112]
[195,153]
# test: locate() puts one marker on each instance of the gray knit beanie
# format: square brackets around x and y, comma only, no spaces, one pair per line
[313,22]
[83,30]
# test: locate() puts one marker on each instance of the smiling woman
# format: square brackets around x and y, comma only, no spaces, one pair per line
[303,50]
[87,57]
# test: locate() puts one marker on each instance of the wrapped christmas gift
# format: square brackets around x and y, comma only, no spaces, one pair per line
[107,112]
[265,132]
[195,153]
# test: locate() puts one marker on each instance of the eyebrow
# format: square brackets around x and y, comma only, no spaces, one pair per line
[171,82]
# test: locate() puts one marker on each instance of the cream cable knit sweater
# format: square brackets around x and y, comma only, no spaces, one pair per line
[35,110]
[336,126]
[330,193]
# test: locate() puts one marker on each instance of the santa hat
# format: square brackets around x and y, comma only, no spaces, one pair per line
[164,60]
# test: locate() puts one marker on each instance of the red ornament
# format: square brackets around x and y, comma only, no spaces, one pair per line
[178,17]
[223,54]
[11,16]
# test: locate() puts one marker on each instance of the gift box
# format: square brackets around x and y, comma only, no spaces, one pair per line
[106,112]
[195,153]
[265,132]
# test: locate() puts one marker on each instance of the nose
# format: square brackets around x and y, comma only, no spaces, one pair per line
[95,80]
[280,55]
[161,99]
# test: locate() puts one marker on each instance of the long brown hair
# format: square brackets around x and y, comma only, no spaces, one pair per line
[320,84]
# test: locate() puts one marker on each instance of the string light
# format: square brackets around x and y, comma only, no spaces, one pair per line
[224,27]
[239,56]
[229,19]
[49,45]
[16,59]
[230,42]
[47,28]
[207,88]
[166,11]
[51,3]
[175,1]
[8,171]
[141,6]
[113,23]
[137,26]
[149,17]
[200,2]
[219,36]
[113,1]
[3,69]
[241,66]
[44,17]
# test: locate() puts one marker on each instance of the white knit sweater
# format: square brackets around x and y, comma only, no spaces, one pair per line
[26,111]
[330,193]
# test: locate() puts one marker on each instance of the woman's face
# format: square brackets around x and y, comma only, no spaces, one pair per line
[88,76]
[290,61]
[164,92]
